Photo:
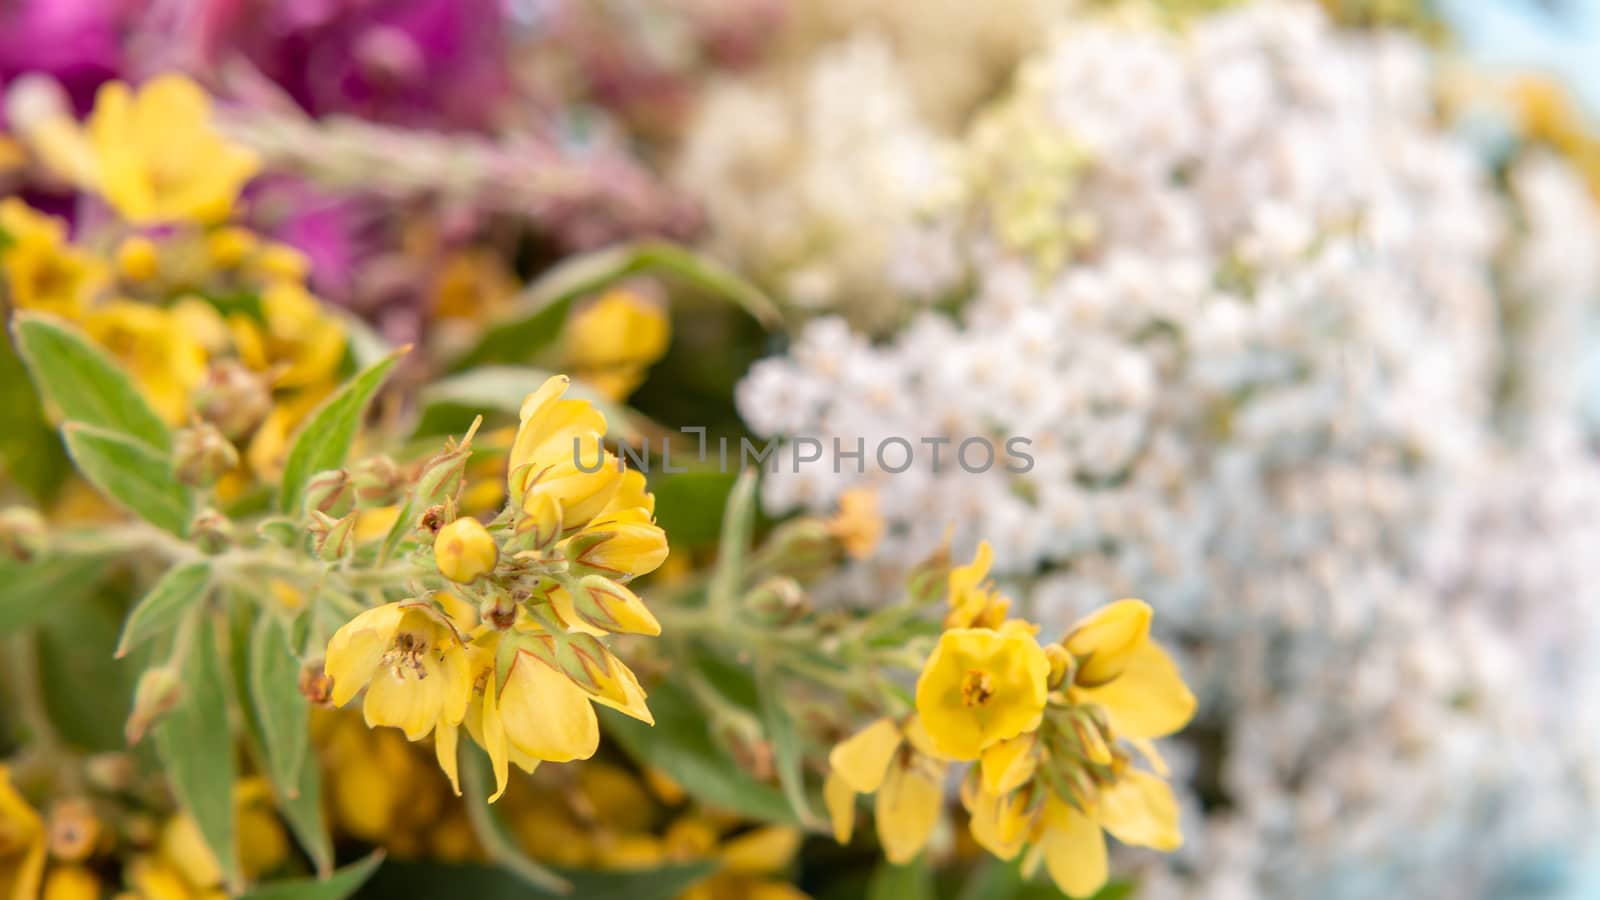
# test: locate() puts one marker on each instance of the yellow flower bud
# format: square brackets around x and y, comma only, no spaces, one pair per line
[1106,640]
[201,454]
[1061,665]
[464,550]
[159,690]
[228,247]
[137,259]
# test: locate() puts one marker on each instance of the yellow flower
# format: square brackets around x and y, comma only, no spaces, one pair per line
[974,603]
[414,666]
[138,259]
[72,882]
[858,526]
[42,270]
[900,765]
[166,360]
[556,441]
[620,545]
[158,158]
[304,344]
[1146,698]
[981,686]
[22,844]
[464,550]
[613,340]
[1105,640]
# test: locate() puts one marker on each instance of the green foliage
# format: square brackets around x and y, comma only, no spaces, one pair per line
[135,475]
[325,438]
[165,604]
[34,588]
[411,879]
[912,881]
[83,382]
[195,743]
[339,885]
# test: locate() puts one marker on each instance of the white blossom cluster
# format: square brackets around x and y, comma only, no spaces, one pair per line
[1296,371]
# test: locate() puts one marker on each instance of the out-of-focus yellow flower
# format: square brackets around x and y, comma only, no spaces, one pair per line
[858,526]
[412,663]
[557,441]
[42,270]
[158,158]
[464,550]
[303,343]
[381,788]
[981,686]
[22,844]
[138,259]
[974,602]
[901,766]
[229,246]
[1105,641]
[611,341]
[752,865]
[1146,698]
[166,361]
[71,883]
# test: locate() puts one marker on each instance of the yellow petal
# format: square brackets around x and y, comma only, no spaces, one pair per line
[1147,749]
[1149,698]
[762,850]
[491,735]
[863,759]
[1008,764]
[840,799]
[981,686]
[1104,640]
[999,823]
[907,809]
[404,701]
[357,648]
[633,696]
[1074,850]
[547,716]
[1141,810]
[445,739]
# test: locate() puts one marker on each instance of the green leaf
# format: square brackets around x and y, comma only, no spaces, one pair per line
[164,606]
[998,879]
[780,728]
[134,474]
[325,438]
[195,742]
[689,505]
[283,724]
[501,389]
[337,886]
[681,746]
[30,450]
[423,879]
[85,383]
[912,881]
[738,522]
[541,310]
[34,588]
[87,691]
[300,800]
[499,844]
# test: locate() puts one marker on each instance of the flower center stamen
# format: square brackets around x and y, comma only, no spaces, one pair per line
[976,688]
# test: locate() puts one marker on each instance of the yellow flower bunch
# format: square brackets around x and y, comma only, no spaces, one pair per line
[613,339]
[550,579]
[1046,727]
[209,318]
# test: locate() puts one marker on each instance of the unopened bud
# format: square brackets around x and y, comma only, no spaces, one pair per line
[74,830]
[1061,665]
[158,691]
[211,531]
[443,475]
[779,600]
[316,684]
[334,539]
[330,492]
[465,551]
[799,547]
[227,247]
[111,772]
[23,534]
[234,399]
[201,454]
[377,481]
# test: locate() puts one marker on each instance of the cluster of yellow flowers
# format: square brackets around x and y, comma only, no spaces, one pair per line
[550,579]
[1046,727]
[211,320]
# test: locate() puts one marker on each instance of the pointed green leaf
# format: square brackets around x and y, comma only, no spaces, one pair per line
[781,732]
[339,885]
[135,475]
[738,523]
[283,722]
[195,742]
[84,382]
[325,437]
[160,610]
[30,450]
